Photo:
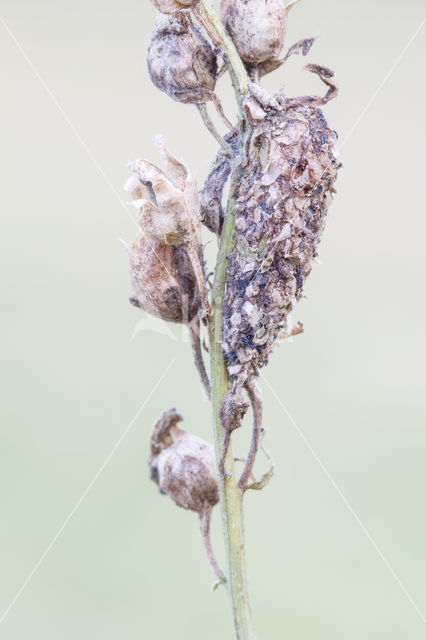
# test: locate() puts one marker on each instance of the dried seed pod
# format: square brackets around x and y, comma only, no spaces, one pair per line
[183,465]
[168,209]
[211,194]
[167,205]
[211,207]
[171,6]
[233,408]
[163,280]
[281,204]
[181,62]
[257,27]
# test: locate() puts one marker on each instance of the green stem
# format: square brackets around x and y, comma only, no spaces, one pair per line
[206,14]
[231,497]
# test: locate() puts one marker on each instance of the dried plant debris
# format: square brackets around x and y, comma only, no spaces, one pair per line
[281,204]
[183,465]
[181,62]
[302,47]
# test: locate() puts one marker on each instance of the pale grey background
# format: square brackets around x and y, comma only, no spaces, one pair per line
[128,564]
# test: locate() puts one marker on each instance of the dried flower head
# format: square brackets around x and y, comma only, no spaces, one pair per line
[183,465]
[169,211]
[167,203]
[257,27]
[163,280]
[181,62]
[171,6]
[281,204]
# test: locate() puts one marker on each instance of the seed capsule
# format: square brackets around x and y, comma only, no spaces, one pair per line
[183,465]
[181,62]
[163,281]
[169,211]
[281,204]
[171,6]
[257,27]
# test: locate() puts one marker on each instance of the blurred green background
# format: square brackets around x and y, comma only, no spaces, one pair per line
[79,362]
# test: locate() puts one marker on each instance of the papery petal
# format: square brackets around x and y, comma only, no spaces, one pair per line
[134,188]
[176,169]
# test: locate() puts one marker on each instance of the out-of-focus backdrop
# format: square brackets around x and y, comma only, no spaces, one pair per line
[88,548]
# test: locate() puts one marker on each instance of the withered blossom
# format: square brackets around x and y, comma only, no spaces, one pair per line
[168,209]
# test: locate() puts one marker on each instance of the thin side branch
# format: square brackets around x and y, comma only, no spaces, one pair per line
[260,484]
[205,518]
[219,108]
[199,275]
[255,396]
[211,127]
[194,335]
[225,449]
[206,15]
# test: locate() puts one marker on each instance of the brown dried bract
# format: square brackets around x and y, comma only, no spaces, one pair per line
[301,47]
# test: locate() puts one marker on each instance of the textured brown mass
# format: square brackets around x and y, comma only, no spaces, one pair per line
[281,204]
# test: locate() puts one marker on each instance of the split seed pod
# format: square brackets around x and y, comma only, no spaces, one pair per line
[163,281]
[167,203]
[169,211]
[257,27]
[171,6]
[183,465]
[281,205]
[181,62]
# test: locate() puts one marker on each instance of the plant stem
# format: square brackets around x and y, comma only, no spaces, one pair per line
[206,14]
[194,336]
[205,518]
[256,403]
[231,496]
[215,133]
